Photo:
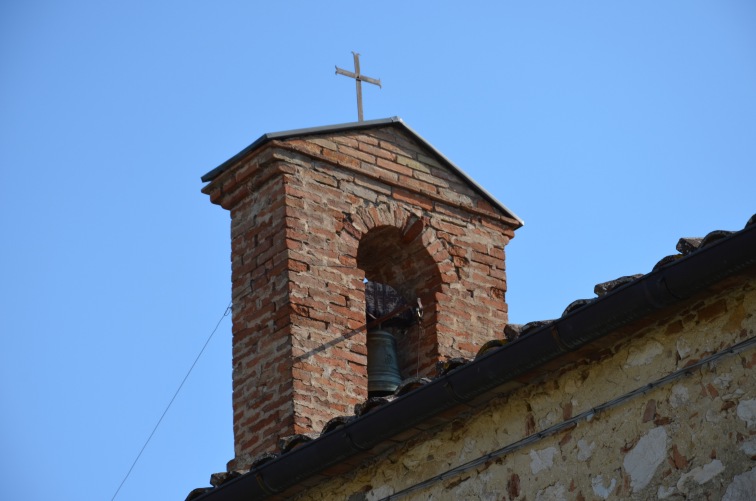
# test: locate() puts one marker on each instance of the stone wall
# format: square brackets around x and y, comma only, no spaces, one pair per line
[668,413]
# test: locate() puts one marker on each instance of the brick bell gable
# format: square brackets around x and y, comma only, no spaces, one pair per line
[313,214]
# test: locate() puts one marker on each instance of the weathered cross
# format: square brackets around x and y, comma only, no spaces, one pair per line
[359,79]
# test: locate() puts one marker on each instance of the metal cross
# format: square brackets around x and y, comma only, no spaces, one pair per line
[358,79]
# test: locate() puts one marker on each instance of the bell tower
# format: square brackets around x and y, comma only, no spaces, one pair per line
[316,214]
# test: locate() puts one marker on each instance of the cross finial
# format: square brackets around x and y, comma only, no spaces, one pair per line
[359,78]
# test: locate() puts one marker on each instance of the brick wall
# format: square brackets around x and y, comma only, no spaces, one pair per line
[311,218]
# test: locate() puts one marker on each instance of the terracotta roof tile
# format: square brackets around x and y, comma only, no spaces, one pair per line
[198,492]
[218,479]
[578,303]
[714,236]
[287,444]
[512,331]
[446,366]
[687,245]
[371,404]
[535,325]
[263,458]
[410,384]
[607,287]
[489,346]
[667,260]
[336,423]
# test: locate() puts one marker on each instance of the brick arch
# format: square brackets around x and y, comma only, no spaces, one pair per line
[374,216]
[392,250]
[412,225]
[362,220]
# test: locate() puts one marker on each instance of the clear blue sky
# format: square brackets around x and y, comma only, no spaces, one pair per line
[611,128]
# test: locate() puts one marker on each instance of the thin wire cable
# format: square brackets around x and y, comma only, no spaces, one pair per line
[225,314]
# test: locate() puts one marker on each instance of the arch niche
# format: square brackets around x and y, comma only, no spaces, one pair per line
[387,256]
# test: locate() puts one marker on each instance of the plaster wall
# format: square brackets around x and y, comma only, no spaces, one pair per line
[690,436]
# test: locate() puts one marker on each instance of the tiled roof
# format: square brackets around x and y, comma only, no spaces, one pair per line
[500,365]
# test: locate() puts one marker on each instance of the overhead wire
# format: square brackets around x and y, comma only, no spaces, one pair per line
[128,473]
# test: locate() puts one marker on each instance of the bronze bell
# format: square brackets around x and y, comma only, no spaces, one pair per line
[382,365]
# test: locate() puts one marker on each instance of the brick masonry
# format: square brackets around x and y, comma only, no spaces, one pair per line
[311,218]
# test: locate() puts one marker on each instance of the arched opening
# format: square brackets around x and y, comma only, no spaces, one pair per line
[387,258]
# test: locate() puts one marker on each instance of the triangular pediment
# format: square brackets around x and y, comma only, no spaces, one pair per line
[389,151]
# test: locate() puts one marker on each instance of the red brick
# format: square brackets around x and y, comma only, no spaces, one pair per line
[365,157]
[378,152]
[303,213]
[413,198]
[394,167]
[341,159]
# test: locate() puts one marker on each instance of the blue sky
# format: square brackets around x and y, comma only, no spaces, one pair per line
[611,128]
